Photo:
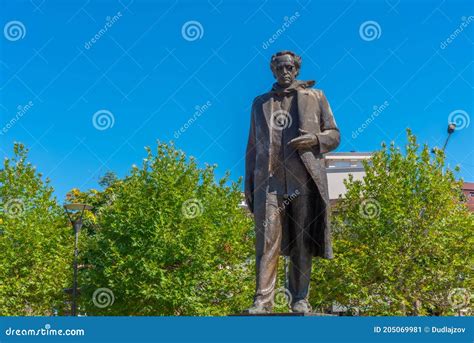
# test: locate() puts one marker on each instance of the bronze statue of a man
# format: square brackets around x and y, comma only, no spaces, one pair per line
[286,189]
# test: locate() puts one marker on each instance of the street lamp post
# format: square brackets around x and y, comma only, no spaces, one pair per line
[76,221]
[451,129]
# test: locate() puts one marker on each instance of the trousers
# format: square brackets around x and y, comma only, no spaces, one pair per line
[296,214]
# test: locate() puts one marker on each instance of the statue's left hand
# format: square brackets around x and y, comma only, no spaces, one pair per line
[306,140]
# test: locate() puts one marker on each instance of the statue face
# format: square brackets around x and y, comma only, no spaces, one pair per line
[284,70]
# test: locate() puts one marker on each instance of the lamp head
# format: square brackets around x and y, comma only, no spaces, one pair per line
[451,127]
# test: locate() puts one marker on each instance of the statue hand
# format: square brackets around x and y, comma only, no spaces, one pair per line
[306,140]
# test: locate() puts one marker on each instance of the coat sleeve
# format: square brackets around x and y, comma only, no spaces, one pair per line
[329,137]
[250,156]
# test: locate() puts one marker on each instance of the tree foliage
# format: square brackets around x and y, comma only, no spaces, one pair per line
[166,240]
[403,239]
[35,241]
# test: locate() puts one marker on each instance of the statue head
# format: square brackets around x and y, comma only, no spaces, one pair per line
[285,67]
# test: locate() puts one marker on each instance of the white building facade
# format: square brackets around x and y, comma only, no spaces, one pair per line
[338,167]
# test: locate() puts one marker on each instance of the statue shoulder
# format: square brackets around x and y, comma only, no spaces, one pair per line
[318,92]
[260,99]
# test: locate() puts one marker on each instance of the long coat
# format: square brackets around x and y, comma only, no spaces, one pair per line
[314,116]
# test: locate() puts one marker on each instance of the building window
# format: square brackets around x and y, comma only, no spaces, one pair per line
[343,164]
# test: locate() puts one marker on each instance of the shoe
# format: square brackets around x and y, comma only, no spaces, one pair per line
[258,308]
[301,306]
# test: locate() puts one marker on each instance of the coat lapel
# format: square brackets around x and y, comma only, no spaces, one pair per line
[309,121]
[307,105]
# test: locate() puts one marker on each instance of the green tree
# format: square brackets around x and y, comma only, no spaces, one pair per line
[108,179]
[35,241]
[166,240]
[403,239]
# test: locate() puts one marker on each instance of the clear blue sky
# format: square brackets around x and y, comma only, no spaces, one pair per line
[150,74]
